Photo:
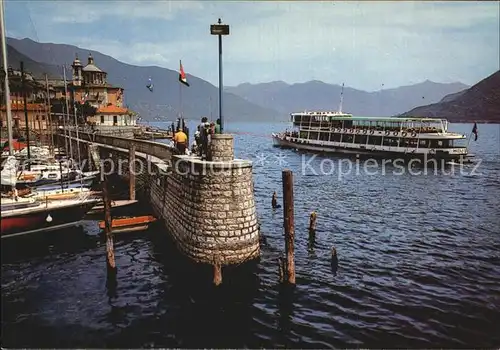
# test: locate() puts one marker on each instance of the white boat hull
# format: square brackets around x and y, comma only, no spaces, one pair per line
[365,150]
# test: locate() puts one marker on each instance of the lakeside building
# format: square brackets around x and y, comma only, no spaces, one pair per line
[87,84]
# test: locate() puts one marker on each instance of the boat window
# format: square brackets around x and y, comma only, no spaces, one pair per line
[422,143]
[324,136]
[347,138]
[374,140]
[390,141]
[313,135]
[361,139]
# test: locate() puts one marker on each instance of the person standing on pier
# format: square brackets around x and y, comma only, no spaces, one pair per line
[203,128]
[180,140]
[196,145]
[217,126]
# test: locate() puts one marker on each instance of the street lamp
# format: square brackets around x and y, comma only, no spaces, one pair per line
[220,30]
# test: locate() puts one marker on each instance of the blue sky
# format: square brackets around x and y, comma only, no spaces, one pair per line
[364,44]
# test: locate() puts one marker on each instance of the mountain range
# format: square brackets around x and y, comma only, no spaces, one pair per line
[317,95]
[163,101]
[480,102]
[250,102]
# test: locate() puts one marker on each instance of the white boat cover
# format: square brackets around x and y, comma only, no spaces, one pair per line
[9,171]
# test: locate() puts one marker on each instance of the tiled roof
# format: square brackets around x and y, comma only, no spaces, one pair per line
[112,110]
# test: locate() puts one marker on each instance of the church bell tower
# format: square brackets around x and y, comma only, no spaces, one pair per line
[77,72]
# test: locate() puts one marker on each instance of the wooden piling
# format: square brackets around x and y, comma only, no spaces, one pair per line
[288,214]
[131,161]
[312,221]
[312,226]
[335,259]
[281,269]
[217,272]
[274,201]
[110,251]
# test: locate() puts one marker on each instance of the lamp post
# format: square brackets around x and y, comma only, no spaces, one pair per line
[220,30]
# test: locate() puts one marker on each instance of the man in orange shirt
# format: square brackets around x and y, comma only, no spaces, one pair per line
[180,140]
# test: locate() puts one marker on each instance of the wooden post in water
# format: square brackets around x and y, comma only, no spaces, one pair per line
[110,251]
[274,200]
[312,221]
[312,226]
[287,178]
[281,269]
[131,161]
[217,272]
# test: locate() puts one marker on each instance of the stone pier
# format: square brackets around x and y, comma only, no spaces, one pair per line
[210,206]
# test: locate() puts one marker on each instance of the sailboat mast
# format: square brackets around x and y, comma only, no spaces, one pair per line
[76,127]
[67,114]
[341,98]
[49,117]
[26,120]
[6,80]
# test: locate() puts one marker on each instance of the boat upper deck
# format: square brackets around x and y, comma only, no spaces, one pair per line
[325,120]
[334,116]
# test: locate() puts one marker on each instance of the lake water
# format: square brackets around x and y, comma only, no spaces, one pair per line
[419,266]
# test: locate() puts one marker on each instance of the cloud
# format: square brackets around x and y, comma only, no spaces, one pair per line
[94,11]
[363,43]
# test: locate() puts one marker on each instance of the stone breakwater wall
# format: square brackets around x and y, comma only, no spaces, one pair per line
[209,208]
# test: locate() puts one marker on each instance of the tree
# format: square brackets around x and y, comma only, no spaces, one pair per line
[85,110]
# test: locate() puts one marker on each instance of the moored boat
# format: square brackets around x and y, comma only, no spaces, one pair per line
[115,206]
[29,214]
[46,216]
[127,224]
[392,138]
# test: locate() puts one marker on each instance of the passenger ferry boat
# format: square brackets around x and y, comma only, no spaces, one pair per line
[389,137]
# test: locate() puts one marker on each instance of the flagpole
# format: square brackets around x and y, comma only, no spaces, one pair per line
[180,94]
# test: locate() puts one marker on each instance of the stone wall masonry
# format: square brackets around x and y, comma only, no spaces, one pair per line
[210,210]
[221,148]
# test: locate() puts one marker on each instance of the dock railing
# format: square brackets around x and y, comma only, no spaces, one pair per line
[156,149]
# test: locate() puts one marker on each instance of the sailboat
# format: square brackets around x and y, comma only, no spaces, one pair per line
[23,215]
